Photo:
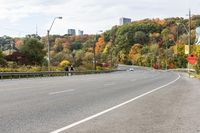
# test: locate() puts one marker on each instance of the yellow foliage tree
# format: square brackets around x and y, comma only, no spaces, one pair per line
[134,53]
[196,50]
[64,63]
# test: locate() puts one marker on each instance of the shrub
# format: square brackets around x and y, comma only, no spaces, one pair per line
[64,63]
[197,66]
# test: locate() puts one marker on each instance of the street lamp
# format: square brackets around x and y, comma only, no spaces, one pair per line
[188,30]
[189,35]
[94,46]
[48,42]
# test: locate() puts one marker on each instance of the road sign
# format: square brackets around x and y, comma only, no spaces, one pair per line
[187,49]
[192,59]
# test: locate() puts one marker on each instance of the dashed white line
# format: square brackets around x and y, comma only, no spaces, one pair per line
[133,80]
[112,108]
[109,84]
[58,92]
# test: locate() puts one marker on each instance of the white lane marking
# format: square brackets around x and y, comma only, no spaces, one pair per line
[133,80]
[58,92]
[112,108]
[109,84]
[13,89]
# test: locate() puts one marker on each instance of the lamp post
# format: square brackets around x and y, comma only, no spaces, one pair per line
[48,42]
[189,42]
[94,52]
[189,31]
[189,35]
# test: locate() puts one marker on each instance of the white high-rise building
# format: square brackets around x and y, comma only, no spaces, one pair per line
[123,21]
[72,32]
[80,32]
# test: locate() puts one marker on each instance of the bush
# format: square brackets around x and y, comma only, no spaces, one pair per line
[64,63]
[12,64]
[197,66]
[2,62]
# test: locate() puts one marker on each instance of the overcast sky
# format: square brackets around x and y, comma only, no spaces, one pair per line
[20,17]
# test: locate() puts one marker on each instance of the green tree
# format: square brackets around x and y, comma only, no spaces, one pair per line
[75,45]
[33,36]
[58,48]
[33,49]
[2,60]
[140,37]
[6,43]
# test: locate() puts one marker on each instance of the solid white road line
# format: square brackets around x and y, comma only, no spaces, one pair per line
[112,108]
[58,92]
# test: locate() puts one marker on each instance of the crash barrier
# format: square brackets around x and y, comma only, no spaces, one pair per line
[12,75]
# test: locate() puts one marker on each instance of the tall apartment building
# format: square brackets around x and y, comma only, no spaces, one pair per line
[123,21]
[72,32]
[80,32]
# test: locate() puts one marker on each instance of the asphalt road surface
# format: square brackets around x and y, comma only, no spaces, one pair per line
[140,101]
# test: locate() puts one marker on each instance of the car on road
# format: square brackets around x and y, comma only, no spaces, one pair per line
[131,69]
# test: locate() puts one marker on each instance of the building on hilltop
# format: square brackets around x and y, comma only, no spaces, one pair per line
[71,32]
[123,21]
[80,32]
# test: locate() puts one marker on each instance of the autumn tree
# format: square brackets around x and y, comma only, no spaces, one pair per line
[134,53]
[2,60]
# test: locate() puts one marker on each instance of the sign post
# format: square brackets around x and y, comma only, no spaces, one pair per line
[192,59]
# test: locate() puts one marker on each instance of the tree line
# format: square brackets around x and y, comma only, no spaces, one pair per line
[158,43]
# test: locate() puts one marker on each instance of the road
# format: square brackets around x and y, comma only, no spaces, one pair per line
[142,101]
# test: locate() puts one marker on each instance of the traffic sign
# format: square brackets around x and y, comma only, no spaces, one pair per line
[187,49]
[192,59]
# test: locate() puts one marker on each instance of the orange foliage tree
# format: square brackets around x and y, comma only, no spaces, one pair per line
[134,53]
[18,42]
[99,43]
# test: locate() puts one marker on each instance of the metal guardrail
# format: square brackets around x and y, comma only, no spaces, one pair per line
[182,70]
[12,75]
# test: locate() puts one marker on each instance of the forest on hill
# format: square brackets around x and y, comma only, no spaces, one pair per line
[158,43]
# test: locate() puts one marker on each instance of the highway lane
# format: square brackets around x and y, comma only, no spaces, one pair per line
[173,109]
[46,104]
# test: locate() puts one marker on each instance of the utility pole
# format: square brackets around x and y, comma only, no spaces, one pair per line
[166,57]
[48,43]
[36,28]
[189,40]
[189,31]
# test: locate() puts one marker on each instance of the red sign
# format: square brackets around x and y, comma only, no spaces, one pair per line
[192,59]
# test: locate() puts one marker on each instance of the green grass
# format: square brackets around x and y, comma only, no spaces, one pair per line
[196,75]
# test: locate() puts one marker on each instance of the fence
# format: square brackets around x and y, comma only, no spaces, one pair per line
[12,75]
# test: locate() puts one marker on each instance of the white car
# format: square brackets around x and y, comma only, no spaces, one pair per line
[131,69]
